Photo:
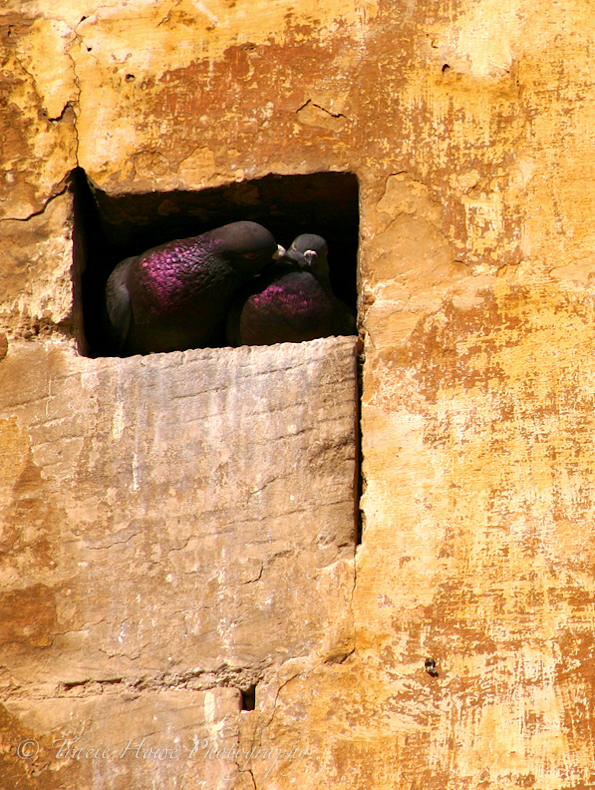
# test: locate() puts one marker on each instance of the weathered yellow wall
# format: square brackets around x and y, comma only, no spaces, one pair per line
[470,127]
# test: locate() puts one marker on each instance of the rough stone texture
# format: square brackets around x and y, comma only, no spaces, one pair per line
[190,524]
[35,277]
[469,126]
[164,739]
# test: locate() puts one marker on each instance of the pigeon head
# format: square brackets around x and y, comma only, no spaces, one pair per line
[310,251]
[247,246]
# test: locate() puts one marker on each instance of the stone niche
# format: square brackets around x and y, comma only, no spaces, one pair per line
[178,530]
[111,228]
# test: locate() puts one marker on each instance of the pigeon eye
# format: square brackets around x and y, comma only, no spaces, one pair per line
[251,255]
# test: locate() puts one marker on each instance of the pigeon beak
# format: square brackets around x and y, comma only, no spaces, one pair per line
[310,256]
[281,252]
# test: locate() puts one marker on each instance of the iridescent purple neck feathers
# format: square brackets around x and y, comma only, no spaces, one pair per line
[292,302]
[176,296]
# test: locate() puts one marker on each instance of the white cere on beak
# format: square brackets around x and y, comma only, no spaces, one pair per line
[310,256]
[281,252]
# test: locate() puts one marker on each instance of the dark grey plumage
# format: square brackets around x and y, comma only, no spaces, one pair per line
[176,296]
[292,301]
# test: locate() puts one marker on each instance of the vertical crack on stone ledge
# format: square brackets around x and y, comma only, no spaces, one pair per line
[359,483]
[76,102]
[250,773]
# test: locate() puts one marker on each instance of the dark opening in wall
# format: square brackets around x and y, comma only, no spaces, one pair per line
[110,229]
[249,698]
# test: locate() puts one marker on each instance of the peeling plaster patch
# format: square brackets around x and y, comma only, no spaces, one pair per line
[526,168]
[481,41]
[37,152]
[313,114]
[43,52]
[411,246]
[125,32]
[449,141]
[40,292]
[404,195]
[580,271]
[464,182]
[149,165]
[179,63]
[213,19]
[484,221]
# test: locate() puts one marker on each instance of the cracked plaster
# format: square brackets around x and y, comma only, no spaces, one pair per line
[468,126]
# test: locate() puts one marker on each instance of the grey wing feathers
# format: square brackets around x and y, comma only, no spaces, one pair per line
[118,302]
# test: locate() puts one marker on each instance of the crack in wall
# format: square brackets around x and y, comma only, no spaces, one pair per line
[63,186]
[194,680]
[69,105]
[202,680]
[312,103]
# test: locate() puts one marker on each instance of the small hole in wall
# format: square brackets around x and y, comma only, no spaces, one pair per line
[249,698]
[110,229]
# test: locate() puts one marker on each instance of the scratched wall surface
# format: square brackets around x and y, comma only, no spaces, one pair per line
[169,547]
[469,125]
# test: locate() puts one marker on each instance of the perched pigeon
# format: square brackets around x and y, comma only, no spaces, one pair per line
[291,302]
[176,296]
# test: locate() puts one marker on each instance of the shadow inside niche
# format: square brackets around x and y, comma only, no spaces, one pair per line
[249,698]
[110,229]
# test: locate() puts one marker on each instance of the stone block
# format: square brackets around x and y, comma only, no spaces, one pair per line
[178,522]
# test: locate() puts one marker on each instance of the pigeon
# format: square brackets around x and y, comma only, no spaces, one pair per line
[176,296]
[290,302]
